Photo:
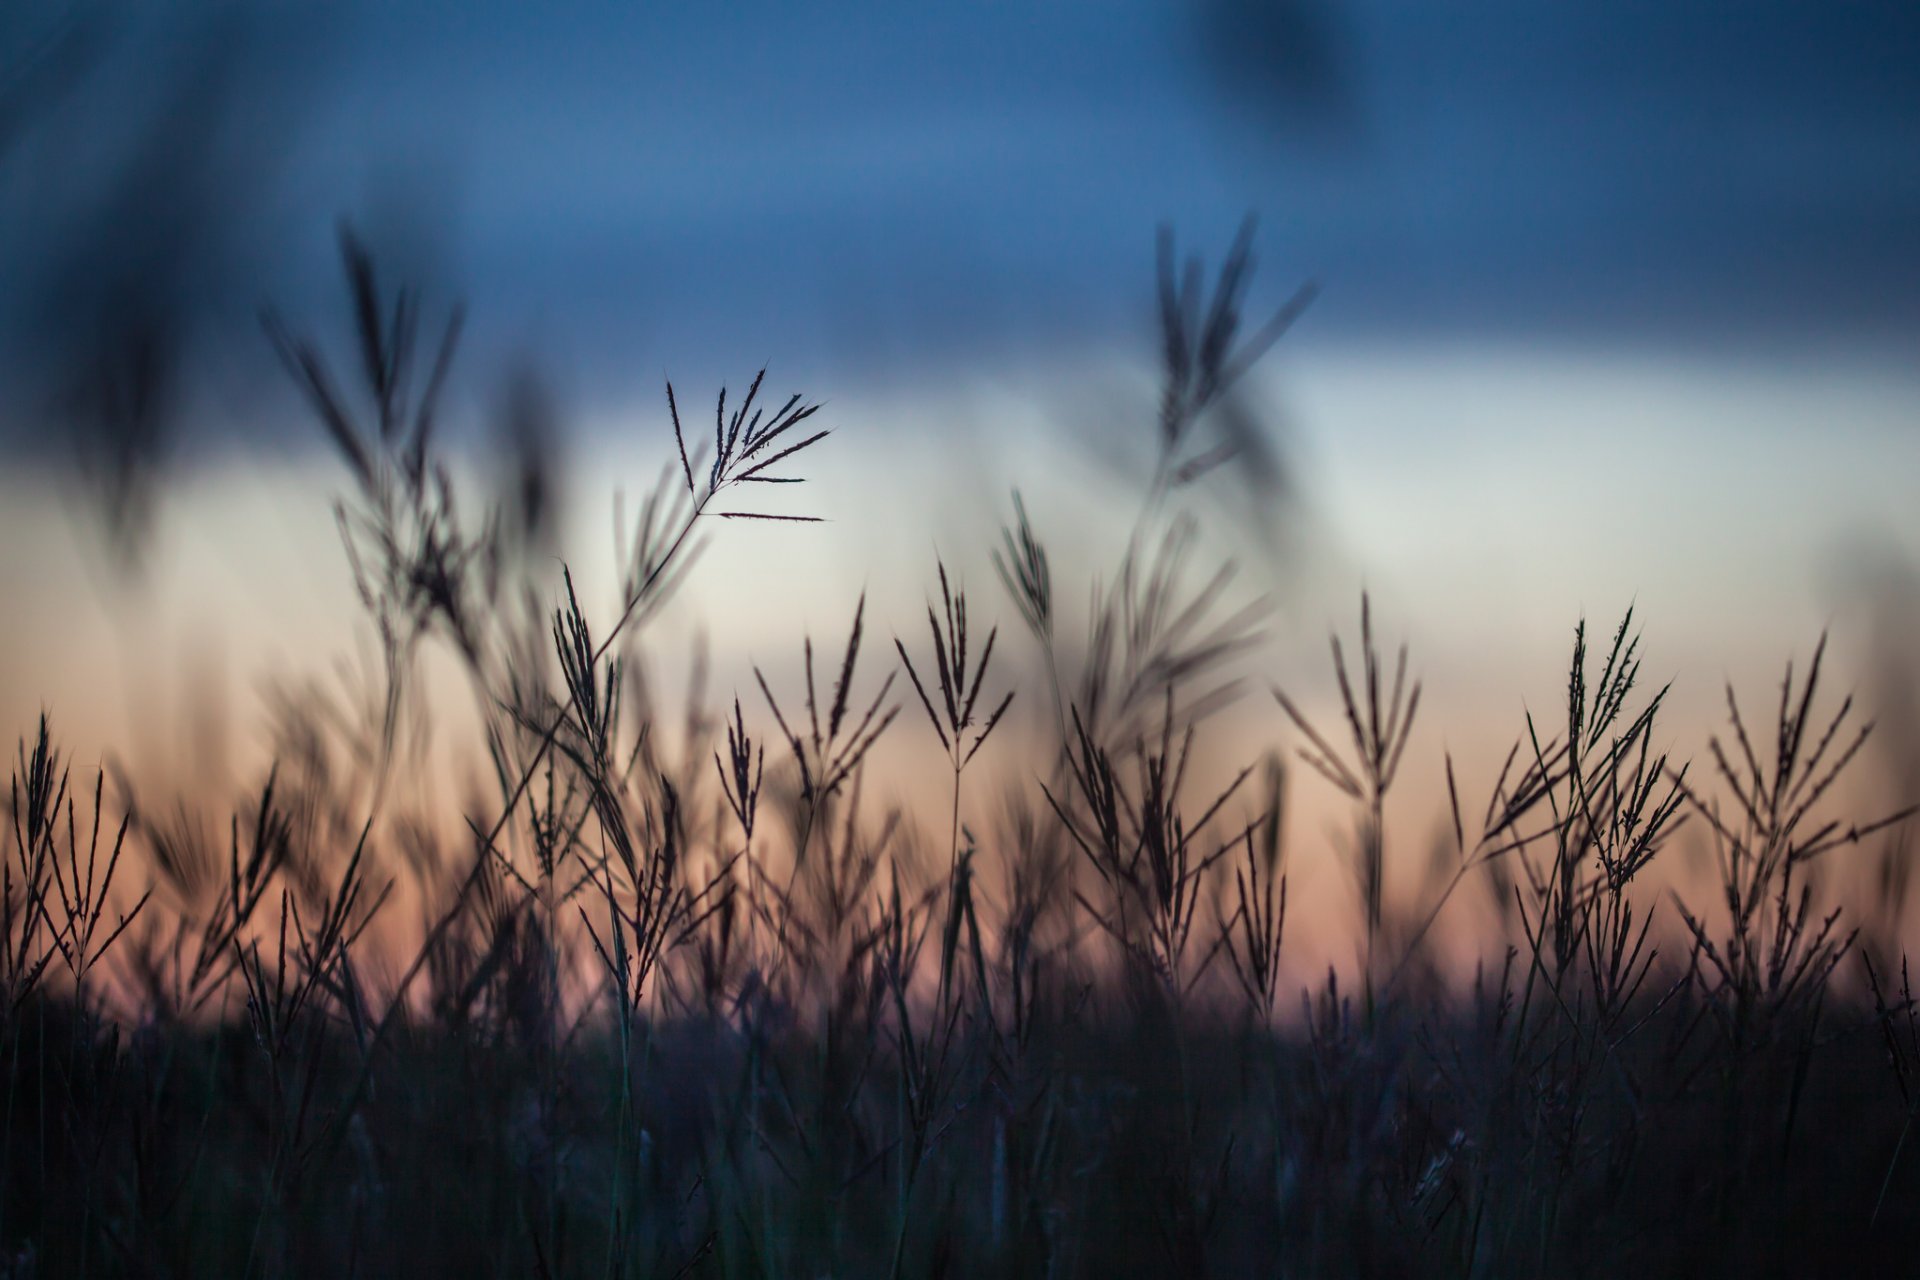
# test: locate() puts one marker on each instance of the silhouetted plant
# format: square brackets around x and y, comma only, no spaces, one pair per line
[1251,936]
[1380,721]
[1775,953]
[1148,853]
[959,693]
[1201,360]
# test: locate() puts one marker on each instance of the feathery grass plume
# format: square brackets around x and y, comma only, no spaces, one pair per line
[1776,956]
[413,565]
[741,774]
[592,701]
[1380,721]
[35,790]
[1147,852]
[1024,572]
[84,891]
[1250,936]
[1143,636]
[1201,361]
[55,905]
[650,908]
[825,758]
[959,692]
[828,751]
[746,450]
[1613,805]
[1148,637]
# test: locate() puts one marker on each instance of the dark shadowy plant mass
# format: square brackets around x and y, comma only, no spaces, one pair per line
[683,999]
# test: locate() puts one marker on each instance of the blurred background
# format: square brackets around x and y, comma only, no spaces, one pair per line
[1617,305]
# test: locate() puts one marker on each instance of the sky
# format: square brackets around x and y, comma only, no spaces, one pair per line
[1617,304]
[899,184]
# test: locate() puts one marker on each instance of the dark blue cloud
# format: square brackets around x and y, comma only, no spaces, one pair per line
[881,185]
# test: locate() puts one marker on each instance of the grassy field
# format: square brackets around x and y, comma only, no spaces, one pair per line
[679,999]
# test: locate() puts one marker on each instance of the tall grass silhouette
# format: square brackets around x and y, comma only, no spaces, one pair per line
[691,1001]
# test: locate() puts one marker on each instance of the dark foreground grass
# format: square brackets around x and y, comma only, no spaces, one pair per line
[1117,1145]
[682,1001]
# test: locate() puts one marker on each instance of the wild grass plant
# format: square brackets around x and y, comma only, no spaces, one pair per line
[693,1002]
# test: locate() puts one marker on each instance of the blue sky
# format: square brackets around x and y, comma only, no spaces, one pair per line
[861,188]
